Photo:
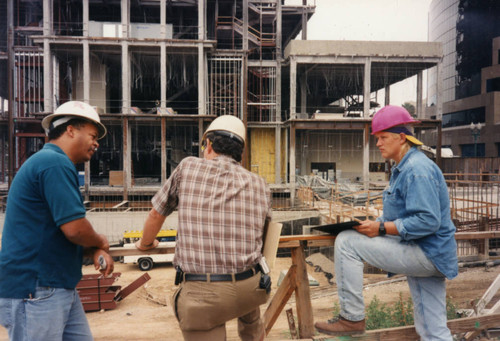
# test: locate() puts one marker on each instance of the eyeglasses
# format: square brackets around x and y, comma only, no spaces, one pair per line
[204,144]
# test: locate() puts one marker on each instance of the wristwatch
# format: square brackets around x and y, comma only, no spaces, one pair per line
[381,229]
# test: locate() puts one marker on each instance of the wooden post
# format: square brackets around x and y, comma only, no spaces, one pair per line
[302,295]
[484,247]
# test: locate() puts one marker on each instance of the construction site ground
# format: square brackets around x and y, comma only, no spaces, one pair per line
[147,313]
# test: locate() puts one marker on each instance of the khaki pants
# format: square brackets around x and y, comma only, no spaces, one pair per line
[203,308]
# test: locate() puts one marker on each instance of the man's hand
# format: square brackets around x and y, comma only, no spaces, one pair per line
[144,247]
[108,260]
[368,228]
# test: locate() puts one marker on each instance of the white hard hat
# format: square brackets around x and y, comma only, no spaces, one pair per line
[73,109]
[228,125]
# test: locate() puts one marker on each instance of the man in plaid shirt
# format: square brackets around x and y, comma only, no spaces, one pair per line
[222,211]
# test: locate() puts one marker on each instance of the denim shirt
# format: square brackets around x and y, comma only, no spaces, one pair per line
[417,201]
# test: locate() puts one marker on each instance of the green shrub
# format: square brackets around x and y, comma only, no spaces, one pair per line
[382,315]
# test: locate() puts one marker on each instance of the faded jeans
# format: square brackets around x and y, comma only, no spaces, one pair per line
[427,284]
[53,314]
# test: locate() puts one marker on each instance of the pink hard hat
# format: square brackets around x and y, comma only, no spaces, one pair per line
[391,116]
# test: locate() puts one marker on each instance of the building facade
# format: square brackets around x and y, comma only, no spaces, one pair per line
[160,71]
[470,32]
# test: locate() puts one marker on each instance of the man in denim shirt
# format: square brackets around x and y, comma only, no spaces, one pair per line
[415,235]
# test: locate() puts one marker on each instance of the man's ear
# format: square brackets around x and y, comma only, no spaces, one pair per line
[70,130]
[402,138]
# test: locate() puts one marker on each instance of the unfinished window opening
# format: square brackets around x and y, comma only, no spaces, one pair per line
[225,85]
[67,18]
[182,82]
[146,153]
[181,141]
[28,83]
[107,162]
[145,81]
[395,74]
[261,100]
[333,88]
[228,24]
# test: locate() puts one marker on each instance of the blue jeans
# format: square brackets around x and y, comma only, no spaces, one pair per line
[427,284]
[52,314]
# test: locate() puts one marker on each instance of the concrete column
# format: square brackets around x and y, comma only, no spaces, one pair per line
[303,93]
[278,141]
[86,86]
[125,13]
[366,88]
[439,91]
[293,87]
[245,25]
[126,100]
[47,57]
[86,72]
[127,157]
[420,97]
[201,59]
[277,153]
[304,20]
[85,17]
[11,93]
[279,28]
[163,57]
[366,156]
[163,134]
[292,163]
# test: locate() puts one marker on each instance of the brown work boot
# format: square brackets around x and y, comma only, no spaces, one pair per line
[340,326]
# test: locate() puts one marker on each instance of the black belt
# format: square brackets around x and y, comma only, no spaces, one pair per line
[222,277]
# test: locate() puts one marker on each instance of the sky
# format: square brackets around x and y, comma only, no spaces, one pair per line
[393,20]
[374,20]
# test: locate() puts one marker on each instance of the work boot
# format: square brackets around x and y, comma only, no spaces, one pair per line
[340,326]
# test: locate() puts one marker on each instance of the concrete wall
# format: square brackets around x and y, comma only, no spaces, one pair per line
[363,48]
[343,148]
[97,83]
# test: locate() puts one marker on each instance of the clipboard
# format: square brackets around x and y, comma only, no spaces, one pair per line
[335,229]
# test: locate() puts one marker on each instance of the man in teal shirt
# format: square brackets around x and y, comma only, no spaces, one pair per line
[46,233]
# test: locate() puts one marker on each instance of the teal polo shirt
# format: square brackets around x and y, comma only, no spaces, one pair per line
[43,196]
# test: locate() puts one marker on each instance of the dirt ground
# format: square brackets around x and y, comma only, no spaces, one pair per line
[147,315]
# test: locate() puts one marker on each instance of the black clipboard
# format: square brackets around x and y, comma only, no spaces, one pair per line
[335,229]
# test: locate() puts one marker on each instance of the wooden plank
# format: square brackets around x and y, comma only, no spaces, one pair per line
[121,251]
[279,299]
[292,242]
[132,287]
[477,235]
[123,203]
[456,326]
[302,294]
[307,237]
[481,304]
[488,295]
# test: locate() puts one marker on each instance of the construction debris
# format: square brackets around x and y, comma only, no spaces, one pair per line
[98,292]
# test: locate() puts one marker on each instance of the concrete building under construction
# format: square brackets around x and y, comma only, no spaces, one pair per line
[160,71]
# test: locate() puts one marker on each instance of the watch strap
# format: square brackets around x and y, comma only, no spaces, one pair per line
[381,229]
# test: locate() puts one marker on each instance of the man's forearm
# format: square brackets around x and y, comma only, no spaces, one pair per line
[152,226]
[81,232]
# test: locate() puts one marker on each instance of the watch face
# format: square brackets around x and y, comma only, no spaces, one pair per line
[381,229]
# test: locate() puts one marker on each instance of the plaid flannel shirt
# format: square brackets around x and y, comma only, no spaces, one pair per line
[222,209]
